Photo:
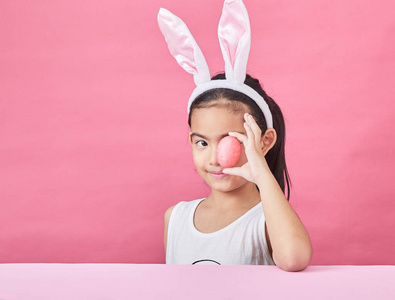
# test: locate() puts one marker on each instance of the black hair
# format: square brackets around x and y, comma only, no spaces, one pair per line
[276,156]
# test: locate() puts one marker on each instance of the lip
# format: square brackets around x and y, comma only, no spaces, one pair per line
[218,174]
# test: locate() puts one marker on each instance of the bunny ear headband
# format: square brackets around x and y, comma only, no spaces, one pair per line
[234,37]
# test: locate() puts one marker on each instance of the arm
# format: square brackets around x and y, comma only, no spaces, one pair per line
[288,237]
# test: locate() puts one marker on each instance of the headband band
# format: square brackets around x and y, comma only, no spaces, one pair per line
[234,37]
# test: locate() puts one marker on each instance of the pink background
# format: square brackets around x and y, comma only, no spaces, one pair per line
[93,124]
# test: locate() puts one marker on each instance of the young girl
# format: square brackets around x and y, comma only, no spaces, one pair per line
[246,219]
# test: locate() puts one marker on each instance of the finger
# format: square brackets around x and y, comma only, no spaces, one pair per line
[255,128]
[250,135]
[232,171]
[241,137]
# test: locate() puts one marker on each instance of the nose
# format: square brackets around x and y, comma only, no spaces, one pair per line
[213,156]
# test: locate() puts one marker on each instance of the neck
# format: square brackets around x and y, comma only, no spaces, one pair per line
[245,196]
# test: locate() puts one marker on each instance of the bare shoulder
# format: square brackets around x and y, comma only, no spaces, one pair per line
[167,219]
[168,214]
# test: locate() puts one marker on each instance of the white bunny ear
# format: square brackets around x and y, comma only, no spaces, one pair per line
[234,35]
[183,46]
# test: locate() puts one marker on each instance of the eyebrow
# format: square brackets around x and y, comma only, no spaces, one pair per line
[195,134]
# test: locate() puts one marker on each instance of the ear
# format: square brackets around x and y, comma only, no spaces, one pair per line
[183,46]
[190,138]
[268,140]
[234,35]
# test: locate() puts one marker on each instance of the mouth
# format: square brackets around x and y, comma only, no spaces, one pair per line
[217,174]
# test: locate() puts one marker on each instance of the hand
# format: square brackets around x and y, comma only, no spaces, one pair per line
[288,237]
[256,167]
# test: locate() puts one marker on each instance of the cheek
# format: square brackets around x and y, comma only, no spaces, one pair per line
[197,157]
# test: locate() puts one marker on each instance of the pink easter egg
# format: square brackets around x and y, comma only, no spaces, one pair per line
[228,151]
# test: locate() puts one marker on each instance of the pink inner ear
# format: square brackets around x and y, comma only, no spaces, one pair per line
[178,41]
[182,50]
[231,30]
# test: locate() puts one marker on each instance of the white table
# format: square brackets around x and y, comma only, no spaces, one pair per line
[143,281]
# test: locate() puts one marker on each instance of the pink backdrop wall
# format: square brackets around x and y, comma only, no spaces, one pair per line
[93,124]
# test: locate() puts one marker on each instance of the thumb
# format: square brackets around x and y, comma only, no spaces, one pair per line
[232,171]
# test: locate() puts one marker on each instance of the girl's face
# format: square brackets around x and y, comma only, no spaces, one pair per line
[208,127]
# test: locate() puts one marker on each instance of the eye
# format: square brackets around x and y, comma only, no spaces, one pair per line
[201,143]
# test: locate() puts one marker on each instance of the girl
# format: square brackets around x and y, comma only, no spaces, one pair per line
[246,219]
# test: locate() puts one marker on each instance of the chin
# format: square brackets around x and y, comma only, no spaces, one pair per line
[225,187]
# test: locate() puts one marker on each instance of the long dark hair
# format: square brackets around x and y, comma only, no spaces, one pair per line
[276,156]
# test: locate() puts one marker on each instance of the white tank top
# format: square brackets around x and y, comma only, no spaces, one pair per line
[243,242]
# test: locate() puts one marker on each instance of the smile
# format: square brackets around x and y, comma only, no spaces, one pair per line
[218,174]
